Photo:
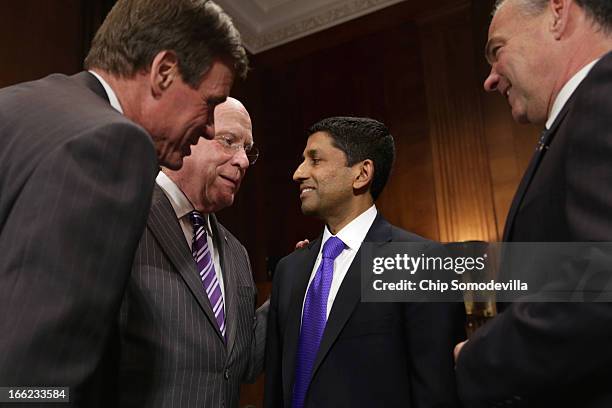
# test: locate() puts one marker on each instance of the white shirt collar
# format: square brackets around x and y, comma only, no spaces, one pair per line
[112,97]
[355,231]
[567,91]
[179,201]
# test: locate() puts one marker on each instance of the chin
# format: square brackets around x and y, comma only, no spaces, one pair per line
[523,120]
[227,202]
[173,163]
[309,210]
[520,117]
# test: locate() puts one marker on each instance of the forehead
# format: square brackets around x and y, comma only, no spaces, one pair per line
[507,23]
[233,120]
[501,18]
[321,142]
[512,19]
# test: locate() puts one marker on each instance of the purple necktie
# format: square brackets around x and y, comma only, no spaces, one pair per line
[314,318]
[206,267]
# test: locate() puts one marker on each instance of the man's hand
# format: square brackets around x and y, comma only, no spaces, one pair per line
[457,350]
[302,244]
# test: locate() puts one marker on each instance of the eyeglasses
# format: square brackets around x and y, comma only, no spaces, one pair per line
[230,143]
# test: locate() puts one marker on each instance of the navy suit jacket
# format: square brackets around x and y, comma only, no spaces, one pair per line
[371,354]
[555,354]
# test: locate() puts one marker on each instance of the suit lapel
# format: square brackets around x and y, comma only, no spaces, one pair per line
[166,229]
[229,282]
[546,140]
[301,274]
[349,293]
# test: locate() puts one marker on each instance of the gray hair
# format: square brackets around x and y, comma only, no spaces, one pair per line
[198,31]
[599,11]
[527,7]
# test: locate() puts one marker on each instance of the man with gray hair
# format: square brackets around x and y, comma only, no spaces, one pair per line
[78,159]
[552,61]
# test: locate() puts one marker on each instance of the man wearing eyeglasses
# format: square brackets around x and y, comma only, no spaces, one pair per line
[189,330]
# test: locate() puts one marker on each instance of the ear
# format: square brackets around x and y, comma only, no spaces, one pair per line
[365,174]
[164,70]
[560,14]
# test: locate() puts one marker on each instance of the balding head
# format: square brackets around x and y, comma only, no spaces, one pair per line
[231,114]
[211,176]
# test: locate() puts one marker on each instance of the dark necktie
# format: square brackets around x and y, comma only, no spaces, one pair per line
[206,267]
[314,319]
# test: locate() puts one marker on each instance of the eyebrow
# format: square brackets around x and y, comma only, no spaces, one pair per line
[311,153]
[246,143]
[488,49]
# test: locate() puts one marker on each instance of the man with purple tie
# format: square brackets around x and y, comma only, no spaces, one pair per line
[325,347]
[189,330]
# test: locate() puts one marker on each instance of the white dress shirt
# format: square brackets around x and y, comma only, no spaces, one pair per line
[112,97]
[567,91]
[182,207]
[352,235]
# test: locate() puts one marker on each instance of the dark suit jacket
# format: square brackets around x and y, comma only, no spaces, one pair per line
[76,179]
[172,352]
[543,354]
[371,354]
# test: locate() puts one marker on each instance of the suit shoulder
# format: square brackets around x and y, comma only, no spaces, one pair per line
[286,262]
[227,235]
[401,235]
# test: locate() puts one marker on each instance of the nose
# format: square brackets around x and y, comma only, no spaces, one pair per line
[298,175]
[492,81]
[241,160]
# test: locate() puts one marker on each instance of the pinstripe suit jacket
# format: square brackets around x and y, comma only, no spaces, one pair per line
[76,179]
[172,352]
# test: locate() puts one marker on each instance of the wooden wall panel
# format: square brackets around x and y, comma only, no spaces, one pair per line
[408,197]
[509,144]
[38,38]
[464,196]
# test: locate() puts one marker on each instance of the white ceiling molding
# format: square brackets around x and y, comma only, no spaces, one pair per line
[265,24]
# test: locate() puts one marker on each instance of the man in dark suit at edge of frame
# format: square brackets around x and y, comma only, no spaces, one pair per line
[551,60]
[78,159]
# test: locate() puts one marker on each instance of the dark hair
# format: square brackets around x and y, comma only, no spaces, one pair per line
[198,31]
[600,11]
[361,139]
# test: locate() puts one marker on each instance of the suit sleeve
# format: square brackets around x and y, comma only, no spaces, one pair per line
[273,390]
[258,346]
[432,330]
[540,348]
[258,343]
[79,217]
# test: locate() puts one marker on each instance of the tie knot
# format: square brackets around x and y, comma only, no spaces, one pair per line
[333,247]
[196,219]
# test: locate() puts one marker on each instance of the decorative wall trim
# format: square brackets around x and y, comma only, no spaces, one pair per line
[258,39]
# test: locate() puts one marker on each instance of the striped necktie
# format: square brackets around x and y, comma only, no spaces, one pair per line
[206,267]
